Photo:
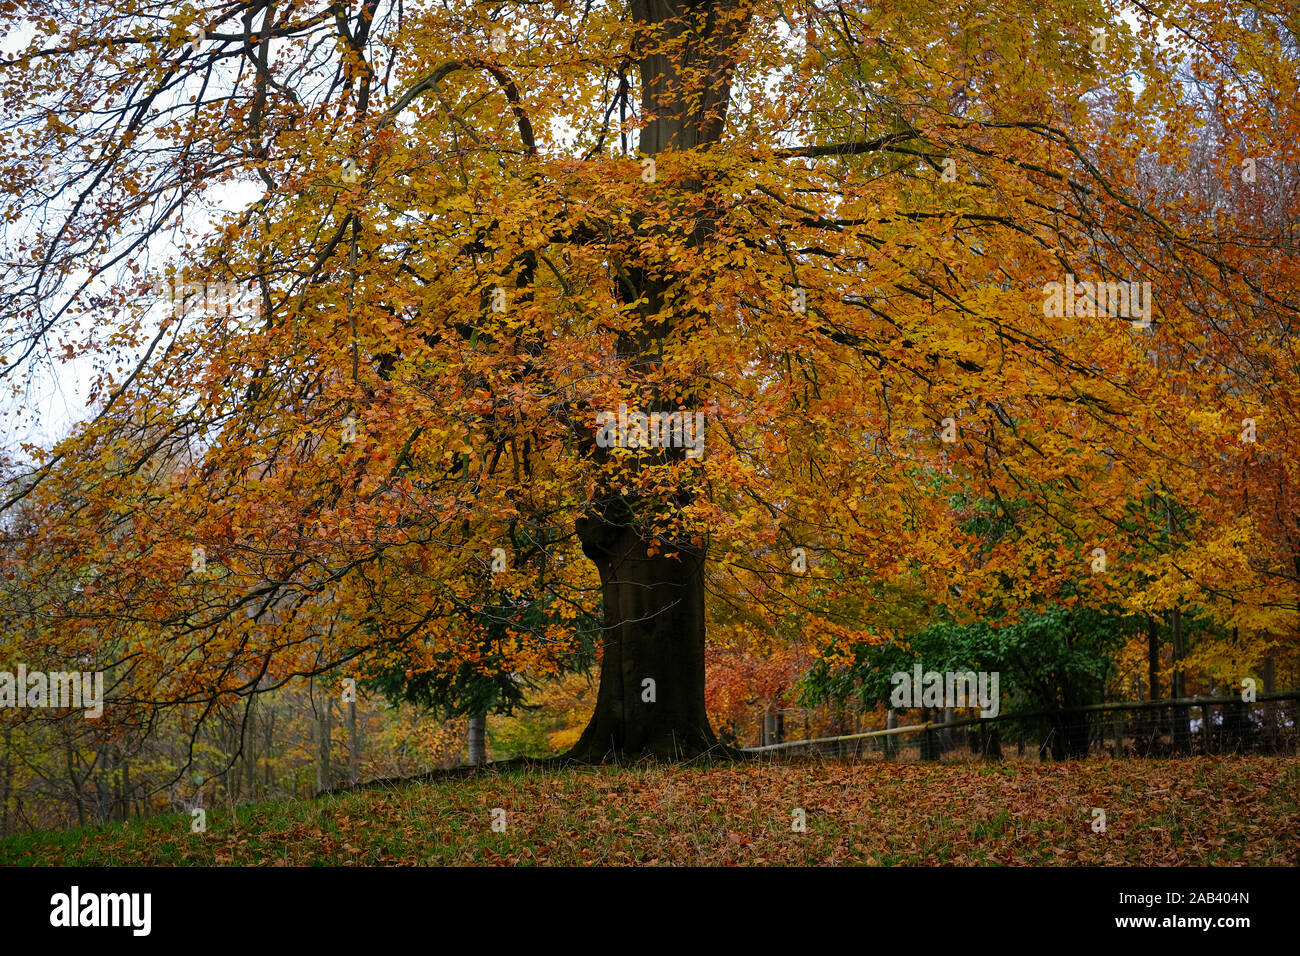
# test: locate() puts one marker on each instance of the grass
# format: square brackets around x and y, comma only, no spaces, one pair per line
[1197,811]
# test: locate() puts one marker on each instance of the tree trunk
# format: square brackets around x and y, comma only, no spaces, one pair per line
[354,745]
[651,697]
[1153,658]
[1269,675]
[946,740]
[993,743]
[76,784]
[929,738]
[250,757]
[478,740]
[6,778]
[268,752]
[124,799]
[323,746]
[1182,730]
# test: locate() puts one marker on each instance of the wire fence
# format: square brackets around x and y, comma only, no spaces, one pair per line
[1164,728]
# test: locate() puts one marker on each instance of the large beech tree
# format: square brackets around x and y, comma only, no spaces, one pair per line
[424,249]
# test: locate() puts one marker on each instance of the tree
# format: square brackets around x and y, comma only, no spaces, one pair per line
[824,236]
[474,676]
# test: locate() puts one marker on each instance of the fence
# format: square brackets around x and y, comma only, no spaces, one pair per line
[1162,728]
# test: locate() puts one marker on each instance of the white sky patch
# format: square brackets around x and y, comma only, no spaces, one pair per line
[54,392]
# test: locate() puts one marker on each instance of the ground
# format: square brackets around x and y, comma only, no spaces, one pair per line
[1205,810]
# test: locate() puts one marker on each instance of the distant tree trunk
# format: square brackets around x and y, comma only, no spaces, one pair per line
[1153,658]
[76,784]
[1182,731]
[268,753]
[1152,719]
[1237,725]
[891,740]
[769,726]
[929,738]
[323,725]
[1209,730]
[250,756]
[354,745]
[1072,736]
[124,789]
[478,740]
[946,740]
[7,778]
[1181,717]
[992,742]
[1268,673]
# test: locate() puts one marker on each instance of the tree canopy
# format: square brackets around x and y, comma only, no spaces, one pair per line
[983,307]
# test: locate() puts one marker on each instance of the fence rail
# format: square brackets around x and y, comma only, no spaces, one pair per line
[1176,726]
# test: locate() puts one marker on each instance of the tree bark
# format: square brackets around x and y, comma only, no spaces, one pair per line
[1182,731]
[651,697]
[354,745]
[477,740]
[992,743]
[773,724]
[1181,716]
[323,746]
[1269,675]
[946,740]
[1153,658]
[7,778]
[248,730]
[76,784]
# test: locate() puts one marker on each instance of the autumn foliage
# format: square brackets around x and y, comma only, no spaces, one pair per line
[438,235]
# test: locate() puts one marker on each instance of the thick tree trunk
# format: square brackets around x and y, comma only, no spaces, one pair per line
[651,697]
